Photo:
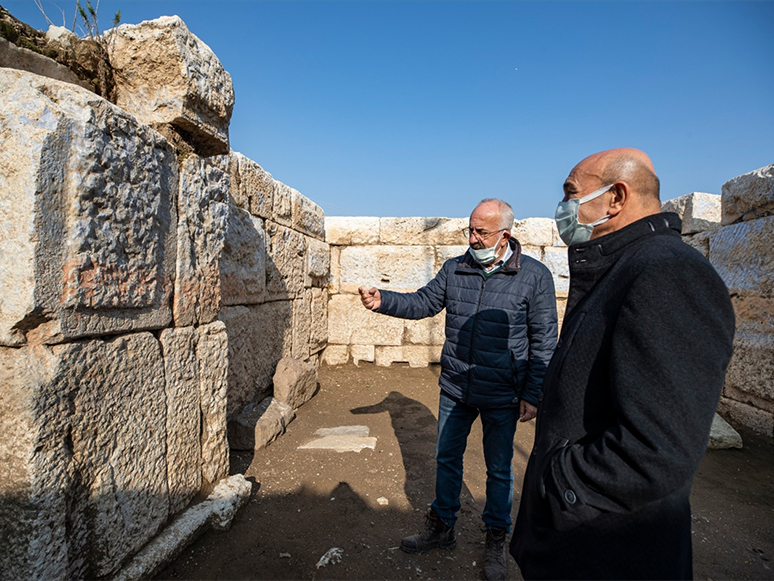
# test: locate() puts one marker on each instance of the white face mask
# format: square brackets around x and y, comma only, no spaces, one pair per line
[484,256]
[571,231]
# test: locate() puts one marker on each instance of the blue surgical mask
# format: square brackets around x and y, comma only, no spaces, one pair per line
[571,231]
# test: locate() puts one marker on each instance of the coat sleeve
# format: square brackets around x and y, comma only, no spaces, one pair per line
[670,348]
[426,302]
[541,331]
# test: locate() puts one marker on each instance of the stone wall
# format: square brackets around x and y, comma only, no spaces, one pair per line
[403,254]
[148,293]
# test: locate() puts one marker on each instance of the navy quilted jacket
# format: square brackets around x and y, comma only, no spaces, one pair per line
[500,330]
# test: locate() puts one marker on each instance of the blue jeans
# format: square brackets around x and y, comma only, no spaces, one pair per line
[454,422]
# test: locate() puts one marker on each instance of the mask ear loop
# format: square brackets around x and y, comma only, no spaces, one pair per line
[594,194]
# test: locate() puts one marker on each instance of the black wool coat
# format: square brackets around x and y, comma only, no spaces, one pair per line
[628,400]
[500,329]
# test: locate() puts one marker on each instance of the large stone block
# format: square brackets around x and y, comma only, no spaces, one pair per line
[302,326]
[259,424]
[345,231]
[295,381]
[749,416]
[282,209]
[335,354]
[214,358]
[87,239]
[414,355]
[534,231]
[743,256]
[555,258]
[258,337]
[444,253]
[251,186]
[243,265]
[183,423]
[698,211]
[335,274]
[307,217]
[349,322]
[420,231]
[165,74]
[748,196]
[429,331]
[318,335]
[398,268]
[14,57]
[318,263]
[285,262]
[362,353]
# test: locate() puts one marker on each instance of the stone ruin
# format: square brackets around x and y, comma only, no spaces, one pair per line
[165,299]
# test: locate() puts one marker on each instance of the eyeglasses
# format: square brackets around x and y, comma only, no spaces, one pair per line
[480,234]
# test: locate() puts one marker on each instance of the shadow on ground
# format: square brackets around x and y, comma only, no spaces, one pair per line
[307,502]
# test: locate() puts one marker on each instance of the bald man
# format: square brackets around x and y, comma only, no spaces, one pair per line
[630,393]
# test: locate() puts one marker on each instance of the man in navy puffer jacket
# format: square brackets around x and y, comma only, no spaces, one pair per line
[500,334]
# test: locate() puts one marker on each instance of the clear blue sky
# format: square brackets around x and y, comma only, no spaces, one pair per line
[423,108]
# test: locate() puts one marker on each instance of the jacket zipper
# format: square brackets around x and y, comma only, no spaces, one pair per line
[472,336]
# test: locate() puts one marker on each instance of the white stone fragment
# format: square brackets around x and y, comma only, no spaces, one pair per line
[723,436]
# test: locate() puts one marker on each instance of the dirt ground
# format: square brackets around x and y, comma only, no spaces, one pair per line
[307,502]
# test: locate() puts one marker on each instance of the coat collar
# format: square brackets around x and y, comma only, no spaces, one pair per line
[469,263]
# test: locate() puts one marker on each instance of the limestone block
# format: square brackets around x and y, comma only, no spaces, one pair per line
[397,268]
[183,418]
[561,306]
[748,196]
[165,74]
[212,353]
[336,355]
[282,209]
[749,416]
[295,381]
[335,275]
[259,425]
[318,263]
[243,264]
[318,335]
[555,258]
[258,337]
[698,211]
[751,370]
[302,326]
[88,221]
[419,231]
[237,194]
[414,355]
[14,57]
[444,253]
[118,431]
[362,353]
[201,237]
[285,262]
[535,252]
[534,231]
[349,323]
[307,217]
[217,510]
[348,230]
[251,186]
[429,331]
[743,256]
[699,241]
[723,436]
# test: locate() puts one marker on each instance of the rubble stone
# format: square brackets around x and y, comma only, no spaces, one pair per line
[259,424]
[295,381]
[723,436]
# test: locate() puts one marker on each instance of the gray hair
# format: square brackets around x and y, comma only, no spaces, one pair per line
[505,210]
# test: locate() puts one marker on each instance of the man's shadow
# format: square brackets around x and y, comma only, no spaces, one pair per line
[416,429]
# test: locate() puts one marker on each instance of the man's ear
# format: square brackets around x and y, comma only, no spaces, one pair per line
[621,195]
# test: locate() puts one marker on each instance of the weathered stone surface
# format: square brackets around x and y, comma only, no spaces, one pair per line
[742,254]
[757,420]
[349,323]
[534,231]
[307,217]
[212,353]
[183,423]
[118,431]
[336,354]
[444,253]
[723,436]
[14,57]
[318,263]
[555,258]
[698,211]
[334,286]
[258,337]
[535,252]
[243,265]
[398,268]
[165,74]
[86,201]
[318,335]
[217,511]
[429,331]
[302,326]
[259,424]
[252,187]
[362,353]
[285,264]
[295,381]
[748,196]
[700,241]
[414,355]
[345,231]
[282,209]
[422,231]
[201,237]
